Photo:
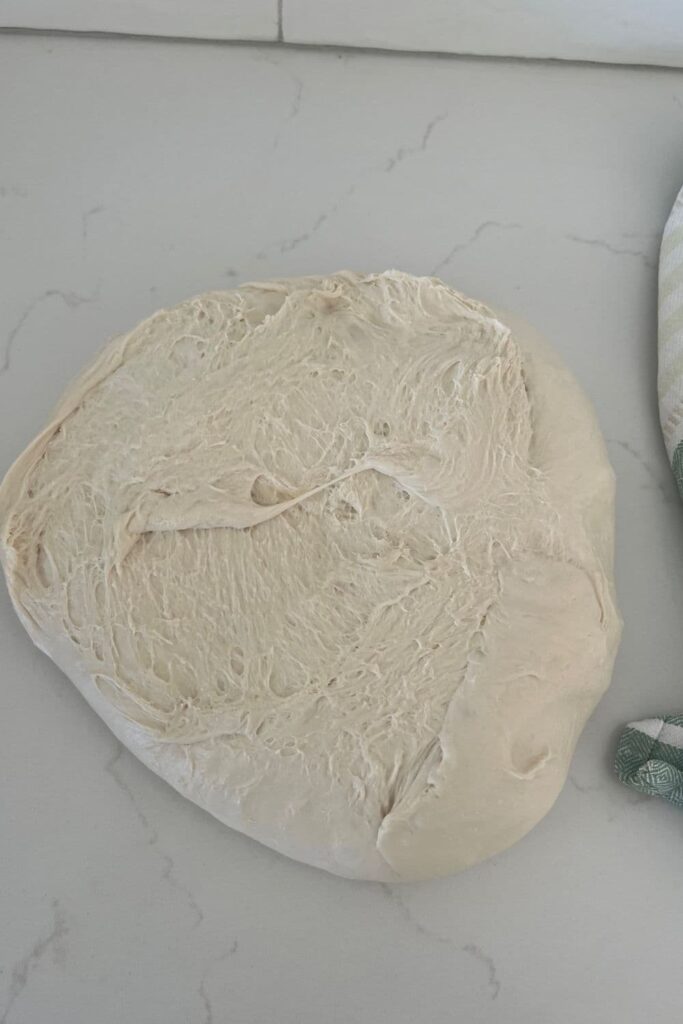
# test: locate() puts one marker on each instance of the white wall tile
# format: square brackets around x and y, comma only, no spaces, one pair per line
[210,19]
[623,31]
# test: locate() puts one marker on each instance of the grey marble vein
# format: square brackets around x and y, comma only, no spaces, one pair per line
[487,225]
[404,152]
[168,872]
[85,219]
[208,1017]
[392,893]
[203,994]
[289,244]
[24,968]
[478,953]
[293,243]
[295,106]
[297,82]
[111,767]
[70,299]
[16,191]
[584,787]
[169,876]
[664,486]
[616,250]
[649,235]
[628,796]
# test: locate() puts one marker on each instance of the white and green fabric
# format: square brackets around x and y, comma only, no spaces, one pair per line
[650,753]
[670,376]
[650,757]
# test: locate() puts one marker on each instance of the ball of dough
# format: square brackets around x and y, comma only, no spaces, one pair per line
[332,556]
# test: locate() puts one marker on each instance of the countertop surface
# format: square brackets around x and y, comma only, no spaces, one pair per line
[136,173]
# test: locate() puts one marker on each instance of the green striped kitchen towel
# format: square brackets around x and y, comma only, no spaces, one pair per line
[650,753]
[650,757]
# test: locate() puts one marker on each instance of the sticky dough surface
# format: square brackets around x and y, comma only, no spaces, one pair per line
[333,557]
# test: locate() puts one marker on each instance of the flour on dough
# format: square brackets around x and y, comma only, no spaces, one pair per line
[333,556]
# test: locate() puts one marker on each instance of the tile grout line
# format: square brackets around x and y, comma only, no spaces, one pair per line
[374,51]
[280,32]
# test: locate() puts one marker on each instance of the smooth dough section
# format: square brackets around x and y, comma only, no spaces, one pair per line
[333,556]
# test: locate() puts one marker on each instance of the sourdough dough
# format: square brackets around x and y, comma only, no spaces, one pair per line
[333,556]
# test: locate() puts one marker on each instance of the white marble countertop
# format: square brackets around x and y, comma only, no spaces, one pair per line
[133,174]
